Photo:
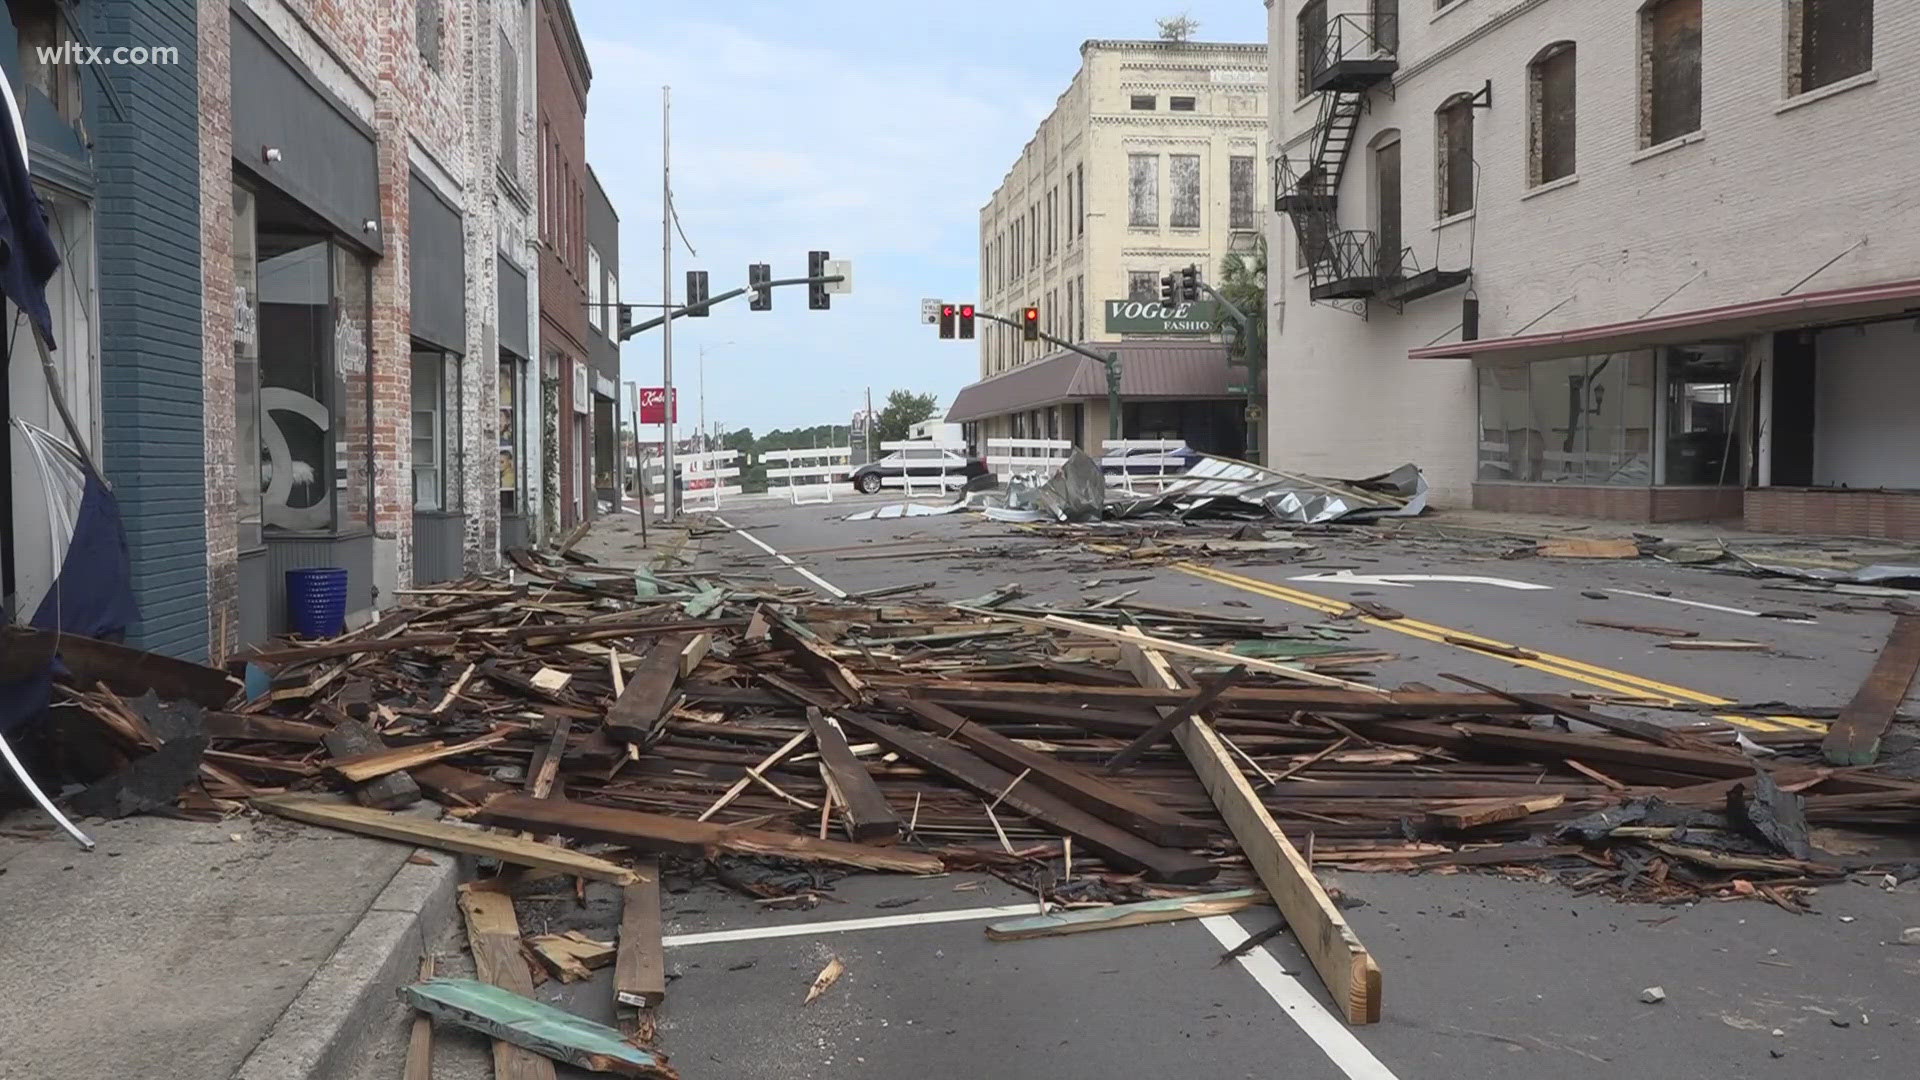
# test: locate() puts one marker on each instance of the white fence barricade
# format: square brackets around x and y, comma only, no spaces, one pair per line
[810,474]
[1136,464]
[926,465]
[704,479]
[1009,457]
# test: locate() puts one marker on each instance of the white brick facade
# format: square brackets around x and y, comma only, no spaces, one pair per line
[1768,190]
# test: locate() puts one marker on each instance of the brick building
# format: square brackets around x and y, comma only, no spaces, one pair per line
[366,289]
[111,151]
[1624,259]
[565,344]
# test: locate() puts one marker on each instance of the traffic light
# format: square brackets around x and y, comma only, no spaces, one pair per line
[946,321]
[1166,291]
[626,320]
[966,322]
[1190,283]
[1030,324]
[697,295]
[758,274]
[817,298]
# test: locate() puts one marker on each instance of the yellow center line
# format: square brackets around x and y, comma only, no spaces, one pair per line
[1619,682]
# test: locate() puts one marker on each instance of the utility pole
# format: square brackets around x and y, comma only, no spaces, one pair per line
[669,502]
[867,431]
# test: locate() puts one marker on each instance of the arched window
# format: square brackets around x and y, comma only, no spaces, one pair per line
[1551,114]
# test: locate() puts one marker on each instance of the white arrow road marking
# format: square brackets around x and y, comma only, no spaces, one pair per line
[1405,581]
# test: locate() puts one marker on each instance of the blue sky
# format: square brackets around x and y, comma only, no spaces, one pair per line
[875,129]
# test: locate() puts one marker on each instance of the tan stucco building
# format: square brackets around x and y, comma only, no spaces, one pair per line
[1150,161]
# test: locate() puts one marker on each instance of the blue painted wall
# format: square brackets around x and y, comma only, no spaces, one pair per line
[146,156]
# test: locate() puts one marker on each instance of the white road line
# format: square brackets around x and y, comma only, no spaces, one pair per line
[1689,603]
[827,586]
[878,922]
[1326,1030]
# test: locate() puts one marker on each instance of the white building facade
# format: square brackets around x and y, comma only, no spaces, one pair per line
[1647,261]
[1151,161]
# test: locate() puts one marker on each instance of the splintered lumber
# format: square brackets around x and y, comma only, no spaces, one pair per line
[651,692]
[532,1028]
[1854,739]
[1513,652]
[571,956]
[1195,652]
[351,738]
[545,768]
[420,1038]
[442,836]
[817,663]
[1244,700]
[678,836]
[493,933]
[1096,795]
[299,653]
[1718,646]
[1619,725]
[1116,916]
[959,764]
[1170,718]
[366,767]
[1589,549]
[694,651]
[1346,967]
[753,774]
[640,965]
[1473,815]
[865,811]
[223,725]
[1639,628]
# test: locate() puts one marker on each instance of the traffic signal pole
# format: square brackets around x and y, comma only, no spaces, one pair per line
[1111,361]
[685,310]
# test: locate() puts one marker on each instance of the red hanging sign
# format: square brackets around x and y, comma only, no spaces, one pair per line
[653,405]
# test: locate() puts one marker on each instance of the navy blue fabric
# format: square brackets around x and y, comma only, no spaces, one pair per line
[28,255]
[92,596]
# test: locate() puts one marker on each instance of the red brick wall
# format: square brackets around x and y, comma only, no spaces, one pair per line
[561,128]
[1888,515]
[1643,504]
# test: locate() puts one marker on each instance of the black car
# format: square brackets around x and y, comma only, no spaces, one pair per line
[922,465]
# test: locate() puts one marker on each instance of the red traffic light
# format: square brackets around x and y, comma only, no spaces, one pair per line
[946,309]
[1032,314]
[966,311]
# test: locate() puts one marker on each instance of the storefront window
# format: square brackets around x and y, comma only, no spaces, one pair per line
[509,442]
[429,431]
[246,371]
[1570,420]
[315,392]
[1702,412]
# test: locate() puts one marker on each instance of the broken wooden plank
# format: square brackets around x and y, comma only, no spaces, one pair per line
[1242,700]
[640,966]
[1854,739]
[571,956]
[544,770]
[1345,966]
[1172,717]
[1193,652]
[442,836]
[552,680]
[249,727]
[1513,652]
[817,663]
[1619,725]
[493,933]
[1638,628]
[1472,815]
[1589,549]
[694,651]
[678,836]
[420,1037]
[301,653]
[1117,916]
[390,791]
[366,767]
[651,693]
[1718,646]
[538,1030]
[1097,796]
[864,809]
[753,773]
[959,764]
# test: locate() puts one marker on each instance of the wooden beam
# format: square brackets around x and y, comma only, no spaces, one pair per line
[1618,725]
[695,651]
[864,809]
[544,770]
[366,767]
[1854,739]
[442,836]
[493,931]
[1241,700]
[678,836]
[392,791]
[753,773]
[1173,716]
[1096,795]
[815,662]
[959,764]
[652,690]
[1116,916]
[1348,970]
[420,1038]
[249,727]
[1181,648]
[1472,815]
[640,965]
[295,654]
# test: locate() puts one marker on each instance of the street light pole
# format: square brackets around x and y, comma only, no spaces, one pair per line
[668,503]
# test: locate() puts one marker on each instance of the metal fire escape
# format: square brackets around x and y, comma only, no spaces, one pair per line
[1344,65]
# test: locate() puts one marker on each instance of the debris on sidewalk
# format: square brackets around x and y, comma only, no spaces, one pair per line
[532,1025]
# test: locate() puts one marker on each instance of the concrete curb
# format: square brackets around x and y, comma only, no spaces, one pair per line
[323,1029]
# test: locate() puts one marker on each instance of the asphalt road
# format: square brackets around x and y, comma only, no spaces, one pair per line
[1483,977]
